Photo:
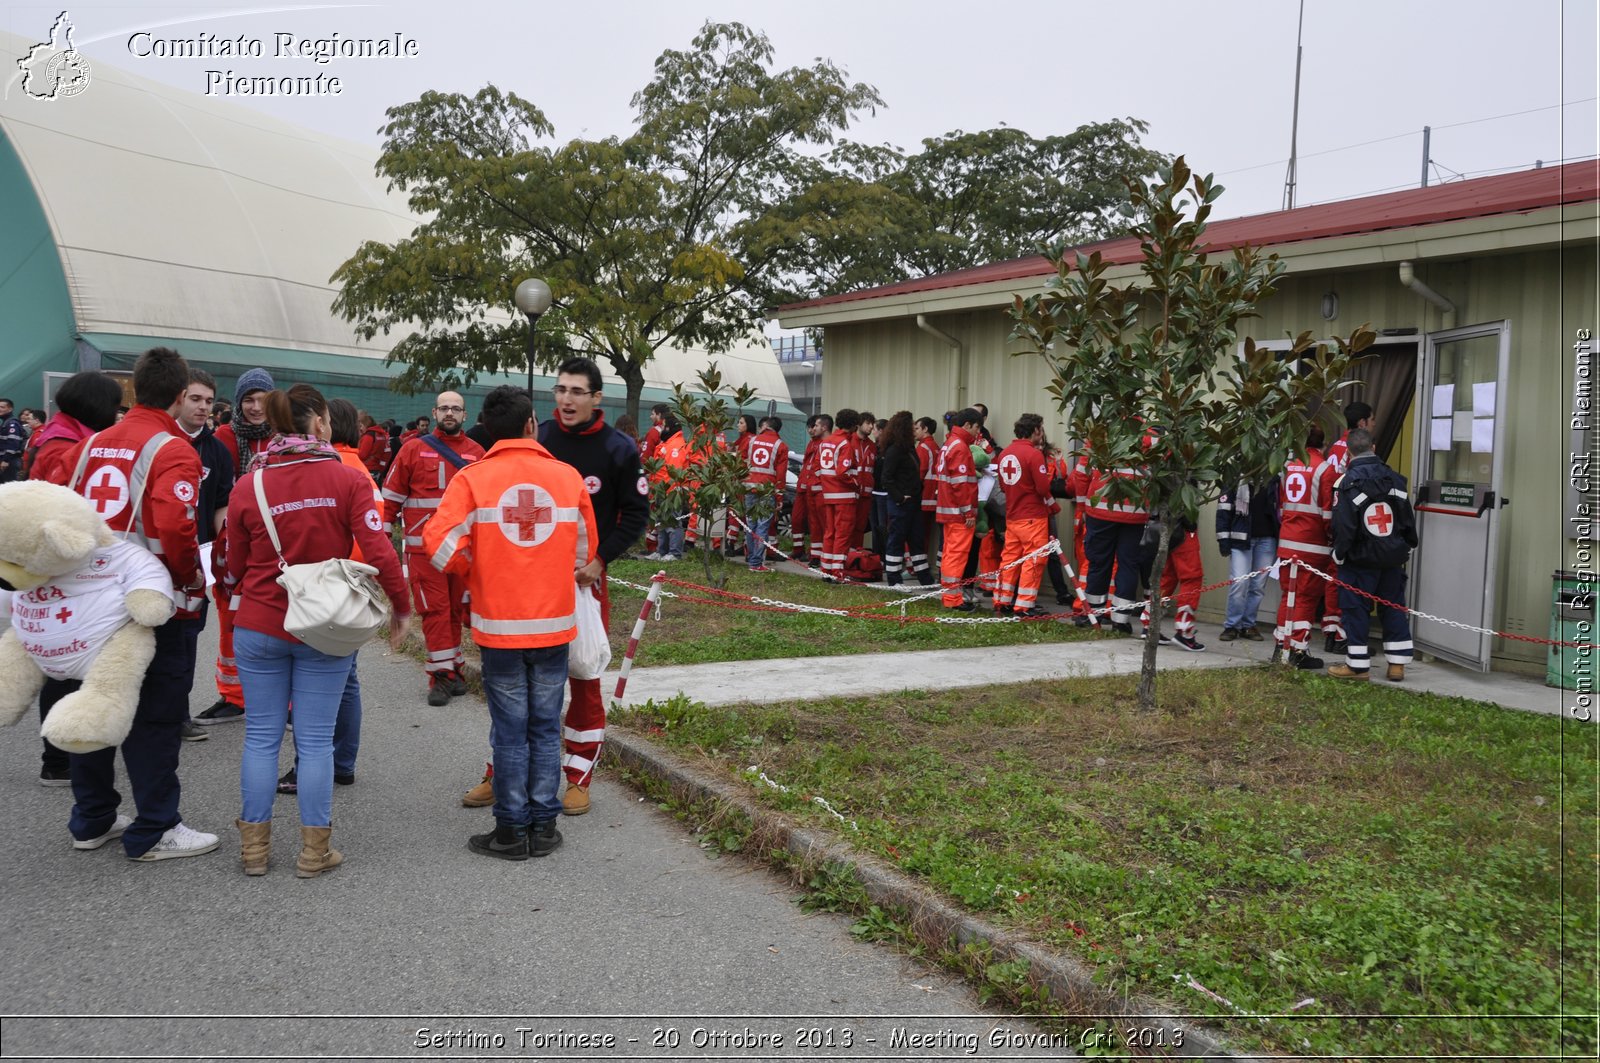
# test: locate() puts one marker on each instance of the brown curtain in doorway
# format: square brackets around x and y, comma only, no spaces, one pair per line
[1386,384]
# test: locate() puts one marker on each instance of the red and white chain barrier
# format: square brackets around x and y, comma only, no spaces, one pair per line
[1439,619]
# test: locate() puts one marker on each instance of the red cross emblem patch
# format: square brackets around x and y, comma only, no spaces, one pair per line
[1379,519]
[108,490]
[526,514]
[1010,470]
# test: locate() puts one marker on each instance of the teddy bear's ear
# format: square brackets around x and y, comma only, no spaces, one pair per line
[66,540]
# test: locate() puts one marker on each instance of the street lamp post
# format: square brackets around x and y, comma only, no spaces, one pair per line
[816,396]
[532,298]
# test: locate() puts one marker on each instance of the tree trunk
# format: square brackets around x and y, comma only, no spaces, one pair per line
[633,376]
[1147,669]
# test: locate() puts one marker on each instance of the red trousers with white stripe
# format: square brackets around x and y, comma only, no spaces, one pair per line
[584,730]
[1020,586]
[228,687]
[1184,574]
[989,551]
[1297,609]
[441,602]
[1332,611]
[838,533]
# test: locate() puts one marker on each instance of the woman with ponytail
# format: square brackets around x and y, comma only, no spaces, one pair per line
[321,509]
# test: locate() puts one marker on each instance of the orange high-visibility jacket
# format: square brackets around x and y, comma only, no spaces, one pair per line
[516,523]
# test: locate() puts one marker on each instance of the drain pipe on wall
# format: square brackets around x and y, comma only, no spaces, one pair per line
[961,357]
[1447,309]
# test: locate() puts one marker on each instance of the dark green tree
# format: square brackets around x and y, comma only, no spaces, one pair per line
[1146,373]
[662,237]
[877,215]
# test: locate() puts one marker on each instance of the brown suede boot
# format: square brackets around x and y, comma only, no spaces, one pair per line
[315,856]
[1397,673]
[255,842]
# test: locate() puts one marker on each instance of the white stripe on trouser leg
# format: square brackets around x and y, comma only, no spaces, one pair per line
[1357,657]
[444,655]
[1397,652]
[919,562]
[572,760]
[1122,609]
[597,734]
[1184,624]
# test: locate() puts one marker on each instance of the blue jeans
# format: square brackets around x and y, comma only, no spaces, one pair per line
[755,550]
[1244,597]
[669,536]
[346,727]
[524,690]
[273,672]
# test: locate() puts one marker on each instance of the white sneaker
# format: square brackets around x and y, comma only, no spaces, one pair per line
[118,829]
[654,555]
[180,841]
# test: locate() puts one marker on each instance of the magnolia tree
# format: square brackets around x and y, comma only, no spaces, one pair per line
[712,480]
[1147,375]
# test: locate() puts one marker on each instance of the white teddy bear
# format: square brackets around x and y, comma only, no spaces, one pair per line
[82,603]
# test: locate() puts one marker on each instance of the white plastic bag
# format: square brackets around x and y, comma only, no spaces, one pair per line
[590,652]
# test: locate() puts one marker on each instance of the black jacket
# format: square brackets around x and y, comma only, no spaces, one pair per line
[900,475]
[610,466]
[1365,536]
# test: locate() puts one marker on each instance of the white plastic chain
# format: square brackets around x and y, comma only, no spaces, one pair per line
[756,771]
[1417,612]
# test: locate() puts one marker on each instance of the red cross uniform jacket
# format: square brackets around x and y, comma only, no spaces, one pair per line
[768,457]
[836,468]
[417,481]
[516,524]
[809,480]
[958,479]
[147,456]
[1302,516]
[1025,478]
[1089,485]
[322,509]
[928,467]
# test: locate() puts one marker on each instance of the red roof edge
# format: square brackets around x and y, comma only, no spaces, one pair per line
[1481,197]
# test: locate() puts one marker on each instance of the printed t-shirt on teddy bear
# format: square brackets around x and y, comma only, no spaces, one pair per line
[63,624]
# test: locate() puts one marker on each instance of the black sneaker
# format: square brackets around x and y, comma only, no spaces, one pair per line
[543,838]
[1030,613]
[1161,640]
[1228,635]
[1304,661]
[289,784]
[1063,599]
[1123,629]
[221,711]
[438,691]
[1189,643]
[344,778]
[458,684]
[964,607]
[1336,646]
[53,777]
[503,843]
[1082,621]
[190,731]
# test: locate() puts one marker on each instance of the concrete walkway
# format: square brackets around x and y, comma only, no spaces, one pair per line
[888,673]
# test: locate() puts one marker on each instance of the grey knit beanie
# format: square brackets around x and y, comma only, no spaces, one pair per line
[252,380]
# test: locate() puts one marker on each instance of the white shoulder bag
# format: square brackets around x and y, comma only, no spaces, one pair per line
[335,605]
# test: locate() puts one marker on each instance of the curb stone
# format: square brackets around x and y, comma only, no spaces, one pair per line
[1069,982]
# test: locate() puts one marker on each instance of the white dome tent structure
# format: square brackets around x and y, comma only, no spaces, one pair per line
[141,215]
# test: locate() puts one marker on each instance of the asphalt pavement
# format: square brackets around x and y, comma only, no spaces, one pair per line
[630,930]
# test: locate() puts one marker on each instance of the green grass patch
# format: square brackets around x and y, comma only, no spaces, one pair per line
[692,632]
[1273,837]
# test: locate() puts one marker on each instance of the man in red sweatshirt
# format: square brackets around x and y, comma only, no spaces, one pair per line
[1025,478]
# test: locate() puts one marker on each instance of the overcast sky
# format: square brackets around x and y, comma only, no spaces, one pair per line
[1502,84]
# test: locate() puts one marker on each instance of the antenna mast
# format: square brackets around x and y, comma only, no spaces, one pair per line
[1294,126]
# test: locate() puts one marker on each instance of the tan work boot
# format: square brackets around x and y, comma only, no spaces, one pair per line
[576,800]
[1397,673]
[481,795]
[255,842]
[1344,671]
[315,855]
